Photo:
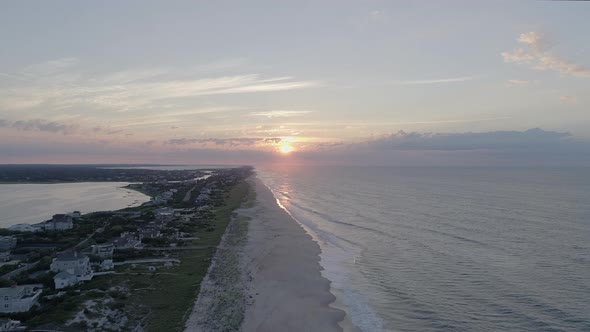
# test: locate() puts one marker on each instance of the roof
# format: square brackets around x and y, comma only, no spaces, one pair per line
[16,291]
[61,218]
[104,245]
[70,256]
[64,275]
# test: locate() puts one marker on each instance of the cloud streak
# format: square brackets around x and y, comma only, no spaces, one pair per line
[232,142]
[279,113]
[494,140]
[435,81]
[517,83]
[54,85]
[537,54]
[40,125]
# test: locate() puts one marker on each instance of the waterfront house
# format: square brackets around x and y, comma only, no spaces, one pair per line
[59,222]
[75,264]
[7,243]
[75,214]
[25,228]
[19,298]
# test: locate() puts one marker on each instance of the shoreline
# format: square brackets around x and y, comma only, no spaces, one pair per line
[265,275]
[55,204]
[287,289]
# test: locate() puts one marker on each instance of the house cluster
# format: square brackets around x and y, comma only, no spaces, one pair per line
[7,243]
[151,229]
[10,325]
[19,298]
[205,194]
[127,240]
[72,268]
[165,214]
[164,197]
[59,222]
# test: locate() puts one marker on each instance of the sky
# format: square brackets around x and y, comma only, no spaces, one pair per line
[337,82]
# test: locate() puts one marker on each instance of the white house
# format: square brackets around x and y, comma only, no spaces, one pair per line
[77,266]
[64,279]
[75,214]
[7,243]
[19,298]
[25,228]
[103,250]
[164,213]
[127,241]
[59,222]
[4,256]
[9,325]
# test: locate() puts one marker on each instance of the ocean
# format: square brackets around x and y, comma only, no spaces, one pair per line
[34,203]
[448,249]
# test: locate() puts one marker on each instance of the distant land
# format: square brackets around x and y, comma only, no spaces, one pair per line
[51,173]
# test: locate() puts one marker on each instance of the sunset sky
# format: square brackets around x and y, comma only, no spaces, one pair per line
[339,82]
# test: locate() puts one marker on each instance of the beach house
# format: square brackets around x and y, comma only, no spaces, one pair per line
[25,228]
[9,325]
[127,240]
[19,298]
[7,243]
[103,250]
[164,213]
[59,222]
[76,268]
[64,279]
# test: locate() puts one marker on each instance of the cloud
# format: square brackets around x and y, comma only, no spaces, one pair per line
[273,140]
[280,113]
[517,83]
[232,142]
[217,141]
[493,140]
[435,81]
[537,54]
[55,127]
[57,85]
[40,125]
[533,147]
[49,67]
[570,100]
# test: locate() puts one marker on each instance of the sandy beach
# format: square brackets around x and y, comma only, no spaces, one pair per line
[265,276]
[287,288]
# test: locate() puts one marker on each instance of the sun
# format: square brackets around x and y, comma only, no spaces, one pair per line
[286,149]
